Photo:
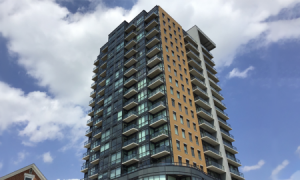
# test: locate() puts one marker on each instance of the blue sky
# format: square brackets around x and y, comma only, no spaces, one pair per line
[46,54]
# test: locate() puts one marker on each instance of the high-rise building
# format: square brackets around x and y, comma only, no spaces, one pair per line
[157,112]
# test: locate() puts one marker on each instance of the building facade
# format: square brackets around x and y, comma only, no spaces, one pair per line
[157,112]
[30,172]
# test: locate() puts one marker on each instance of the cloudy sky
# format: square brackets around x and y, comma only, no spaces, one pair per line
[47,49]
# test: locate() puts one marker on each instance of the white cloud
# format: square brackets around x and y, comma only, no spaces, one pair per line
[47,158]
[295,176]
[254,167]
[1,165]
[298,151]
[277,170]
[21,156]
[237,73]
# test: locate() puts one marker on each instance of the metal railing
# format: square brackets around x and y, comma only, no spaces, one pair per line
[160,149]
[133,140]
[156,91]
[158,118]
[196,87]
[129,59]
[88,131]
[203,110]
[166,132]
[211,163]
[86,154]
[201,121]
[152,30]
[150,23]
[130,101]
[203,134]
[192,68]
[227,133]
[130,89]
[202,82]
[198,63]
[209,148]
[219,101]
[87,142]
[129,114]
[192,53]
[224,122]
[131,78]
[130,127]
[233,158]
[156,46]
[237,173]
[155,79]
[229,145]
[220,110]
[199,98]
[90,120]
[157,104]
[216,91]
[155,68]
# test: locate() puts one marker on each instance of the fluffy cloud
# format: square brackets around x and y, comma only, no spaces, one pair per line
[47,158]
[1,165]
[237,73]
[295,176]
[42,117]
[254,167]
[298,151]
[21,156]
[277,170]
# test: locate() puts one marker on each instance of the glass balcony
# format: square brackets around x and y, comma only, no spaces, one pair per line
[151,24]
[93,174]
[237,175]
[226,135]
[130,35]
[95,77]
[89,122]
[155,71]
[189,38]
[96,62]
[95,146]
[196,73]
[233,160]
[131,115]
[209,138]
[219,103]
[191,47]
[130,27]
[92,103]
[230,148]
[212,152]
[88,132]
[151,16]
[84,167]
[86,155]
[210,68]
[197,64]
[160,152]
[101,91]
[209,59]
[154,83]
[158,121]
[198,82]
[103,65]
[130,144]
[207,51]
[94,159]
[221,113]
[206,125]
[157,107]
[215,167]
[91,112]
[214,85]
[87,143]
[131,159]
[217,93]
[203,113]
[99,112]
[200,92]
[130,44]
[95,69]
[131,81]
[192,55]
[93,94]
[154,60]
[130,104]
[102,82]
[94,85]
[131,61]
[153,41]
[97,133]
[202,103]
[129,130]
[103,73]
[158,136]
[156,94]
[130,52]
[130,71]
[130,92]
[212,76]
[100,101]
[224,124]
[154,31]
[104,57]
[153,51]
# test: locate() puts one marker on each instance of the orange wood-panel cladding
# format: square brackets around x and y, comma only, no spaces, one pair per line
[172,109]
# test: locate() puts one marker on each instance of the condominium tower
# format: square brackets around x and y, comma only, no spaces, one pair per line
[157,112]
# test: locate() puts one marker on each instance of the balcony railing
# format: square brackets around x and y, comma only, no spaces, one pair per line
[87,142]
[85,154]
[193,53]
[150,23]
[89,121]
[203,110]
[130,101]
[152,30]
[152,39]
[156,91]
[88,131]
[229,145]
[233,158]
[192,68]
[84,166]
[155,79]
[129,114]
[97,131]
[206,50]
[223,121]
[216,91]
[159,133]
[199,98]
[130,127]
[160,149]
[201,121]
[203,134]
[237,173]
[191,59]
[156,46]
[219,101]
[210,65]
[209,148]
[158,118]
[131,78]
[130,89]
[202,82]
[197,88]
[133,140]
[218,109]
[211,163]
[157,104]
[227,133]
[95,144]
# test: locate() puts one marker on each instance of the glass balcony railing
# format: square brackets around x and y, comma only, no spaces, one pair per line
[186,42]
[128,80]
[129,42]
[155,79]
[93,158]
[154,57]
[133,140]
[95,144]
[203,134]
[201,121]
[154,20]
[160,149]
[202,82]
[101,89]
[130,127]
[198,63]
[237,173]
[101,99]
[133,48]
[206,50]
[192,68]
[227,133]
[152,30]
[93,84]
[132,156]
[130,101]
[156,91]
[90,120]
[197,88]
[88,131]
[86,154]
[158,118]
[189,51]
[95,68]
[219,101]
[151,14]
[208,57]
[152,39]
[130,89]
[210,66]
[199,98]
[98,120]
[211,163]
[87,142]
[156,46]
[97,131]
[209,148]
[157,104]
[100,109]
[93,92]
[129,59]
[224,122]
[92,101]
[212,74]
[220,110]
[229,145]
[155,68]
[129,114]
[91,110]
[159,133]
[129,69]
[198,109]
[128,34]
[216,91]
[233,158]
[84,166]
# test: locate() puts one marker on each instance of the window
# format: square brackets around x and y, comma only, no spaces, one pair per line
[196,139]
[182,87]
[178,145]
[174,25]
[173,102]
[176,131]
[171,44]
[168,19]
[176,83]
[178,94]
[179,107]
[183,62]
[163,15]
[179,37]
[185,71]
[181,45]
[172,53]
[181,77]
[175,72]
[181,119]
[174,116]
[179,160]
[170,79]
[184,98]
[171,89]
[166,39]
[192,113]
[192,150]
[164,23]
[199,155]
[170,36]
[188,123]
[178,29]
[174,63]
[115,173]
[170,28]
[175,40]
[174,32]
[169,68]
[190,137]
[185,148]
[178,58]
[167,49]
[187,162]
[194,126]
[186,110]
[194,164]
[191,104]
[168,58]
[176,48]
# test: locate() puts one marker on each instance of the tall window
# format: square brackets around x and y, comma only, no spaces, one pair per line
[190,137]
[142,108]
[178,145]
[173,102]
[191,104]
[172,53]
[194,126]
[169,68]
[179,107]
[188,123]
[184,98]
[186,110]
[181,119]
[171,89]
[192,150]
[178,94]
[167,49]
[175,72]
[174,116]
[181,77]
[183,133]
[192,113]
[179,160]
[185,148]
[168,58]
[176,82]
[196,139]
[170,79]
[176,130]
[144,150]
[199,155]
